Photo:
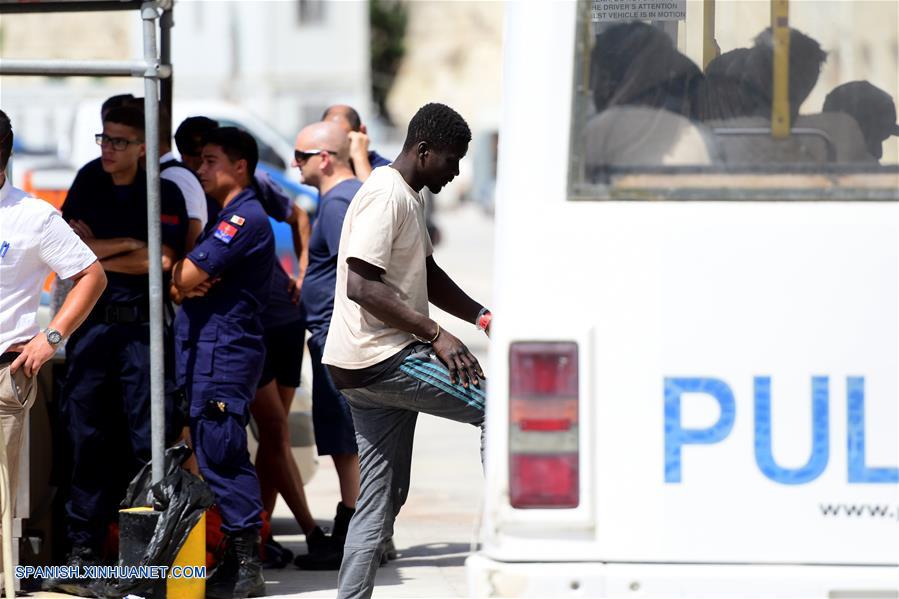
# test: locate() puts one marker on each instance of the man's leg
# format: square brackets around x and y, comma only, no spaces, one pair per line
[220,441]
[135,380]
[17,394]
[219,414]
[422,383]
[333,424]
[89,355]
[385,437]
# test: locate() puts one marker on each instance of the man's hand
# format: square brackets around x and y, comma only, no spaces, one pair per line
[34,355]
[358,144]
[293,289]
[463,366]
[202,289]
[81,229]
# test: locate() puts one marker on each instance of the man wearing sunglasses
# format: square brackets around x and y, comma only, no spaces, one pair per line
[321,154]
[108,358]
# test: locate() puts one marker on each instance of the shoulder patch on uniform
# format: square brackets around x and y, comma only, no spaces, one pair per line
[169,219]
[225,232]
[238,220]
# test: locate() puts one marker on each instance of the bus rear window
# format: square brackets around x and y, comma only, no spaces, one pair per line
[738,91]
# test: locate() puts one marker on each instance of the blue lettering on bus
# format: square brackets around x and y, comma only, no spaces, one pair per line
[859,472]
[764,455]
[676,436]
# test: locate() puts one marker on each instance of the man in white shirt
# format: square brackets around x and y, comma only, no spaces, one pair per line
[34,240]
[178,173]
[385,355]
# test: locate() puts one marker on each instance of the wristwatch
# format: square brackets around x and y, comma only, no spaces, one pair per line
[53,336]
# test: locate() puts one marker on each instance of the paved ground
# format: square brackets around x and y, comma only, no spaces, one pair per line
[438,524]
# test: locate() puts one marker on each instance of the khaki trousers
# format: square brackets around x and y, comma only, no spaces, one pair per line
[17,395]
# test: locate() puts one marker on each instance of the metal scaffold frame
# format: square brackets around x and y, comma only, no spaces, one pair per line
[154,68]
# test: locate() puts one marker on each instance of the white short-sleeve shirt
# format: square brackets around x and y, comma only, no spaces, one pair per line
[384,226]
[34,240]
[191,190]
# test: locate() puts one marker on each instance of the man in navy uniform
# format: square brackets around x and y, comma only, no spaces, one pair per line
[108,358]
[226,280]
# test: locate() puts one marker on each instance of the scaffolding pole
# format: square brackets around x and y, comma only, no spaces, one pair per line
[151,71]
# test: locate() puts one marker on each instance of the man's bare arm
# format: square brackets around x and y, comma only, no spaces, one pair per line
[449,297]
[194,228]
[89,285]
[301,230]
[187,276]
[106,248]
[137,262]
[365,287]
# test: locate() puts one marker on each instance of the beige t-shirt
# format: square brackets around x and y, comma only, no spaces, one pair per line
[384,226]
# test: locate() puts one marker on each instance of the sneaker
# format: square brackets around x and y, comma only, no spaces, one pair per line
[389,549]
[276,555]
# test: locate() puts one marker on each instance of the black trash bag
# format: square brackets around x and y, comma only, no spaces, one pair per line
[182,498]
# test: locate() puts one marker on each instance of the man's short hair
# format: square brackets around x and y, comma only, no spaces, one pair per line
[190,133]
[348,112]
[237,144]
[119,101]
[806,58]
[128,116]
[6,139]
[440,126]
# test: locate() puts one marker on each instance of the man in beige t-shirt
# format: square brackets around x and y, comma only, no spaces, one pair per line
[387,357]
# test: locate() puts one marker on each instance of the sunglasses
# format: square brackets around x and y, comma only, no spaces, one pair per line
[300,156]
[118,143]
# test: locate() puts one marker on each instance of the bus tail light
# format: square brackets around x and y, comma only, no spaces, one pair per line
[543,425]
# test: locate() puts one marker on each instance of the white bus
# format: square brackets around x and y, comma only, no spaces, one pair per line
[693,372]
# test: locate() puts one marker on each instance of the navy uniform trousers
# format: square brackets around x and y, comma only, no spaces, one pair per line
[105,402]
[219,416]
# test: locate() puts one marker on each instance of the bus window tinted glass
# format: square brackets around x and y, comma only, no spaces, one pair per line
[651,94]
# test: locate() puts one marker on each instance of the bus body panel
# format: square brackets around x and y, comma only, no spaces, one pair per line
[488,578]
[737,367]
[775,304]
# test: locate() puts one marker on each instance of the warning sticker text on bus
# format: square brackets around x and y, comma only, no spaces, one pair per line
[628,10]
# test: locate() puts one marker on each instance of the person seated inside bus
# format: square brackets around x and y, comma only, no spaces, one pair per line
[871,107]
[721,94]
[742,127]
[642,89]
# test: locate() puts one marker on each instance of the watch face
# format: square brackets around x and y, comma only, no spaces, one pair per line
[54,337]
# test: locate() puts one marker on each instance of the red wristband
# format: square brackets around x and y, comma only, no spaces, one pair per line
[484,321]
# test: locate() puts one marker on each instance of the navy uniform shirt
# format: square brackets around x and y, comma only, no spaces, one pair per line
[121,211]
[321,274]
[219,336]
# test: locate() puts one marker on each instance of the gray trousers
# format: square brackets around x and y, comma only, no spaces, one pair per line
[384,414]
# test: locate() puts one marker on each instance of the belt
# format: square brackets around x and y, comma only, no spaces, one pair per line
[122,314]
[8,357]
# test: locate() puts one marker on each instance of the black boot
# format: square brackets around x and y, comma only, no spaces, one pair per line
[325,552]
[342,521]
[78,558]
[250,582]
[239,572]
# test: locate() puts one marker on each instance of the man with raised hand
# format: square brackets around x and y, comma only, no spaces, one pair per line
[387,357]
